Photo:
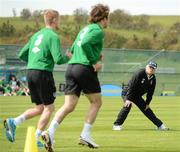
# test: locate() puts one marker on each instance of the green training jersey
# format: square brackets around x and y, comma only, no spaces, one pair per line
[43,50]
[88,45]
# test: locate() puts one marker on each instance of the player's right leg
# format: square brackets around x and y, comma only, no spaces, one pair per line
[46,91]
[121,117]
[48,141]
[72,93]
[88,81]
[43,121]
[95,104]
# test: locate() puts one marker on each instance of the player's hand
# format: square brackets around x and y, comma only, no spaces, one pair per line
[147,106]
[69,54]
[101,57]
[127,103]
[97,67]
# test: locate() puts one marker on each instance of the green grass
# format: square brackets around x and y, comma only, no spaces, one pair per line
[166,21]
[130,32]
[18,23]
[138,134]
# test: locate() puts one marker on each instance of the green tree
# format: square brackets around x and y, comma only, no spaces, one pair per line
[80,16]
[132,43]
[7,29]
[141,22]
[27,29]
[120,19]
[114,40]
[145,43]
[37,14]
[168,38]
[14,12]
[176,27]
[25,14]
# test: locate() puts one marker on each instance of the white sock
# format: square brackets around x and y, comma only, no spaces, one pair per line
[86,130]
[38,134]
[18,120]
[52,128]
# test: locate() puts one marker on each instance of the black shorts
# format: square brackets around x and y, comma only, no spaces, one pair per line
[81,78]
[41,86]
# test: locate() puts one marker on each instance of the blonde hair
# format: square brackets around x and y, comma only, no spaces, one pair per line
[50,16]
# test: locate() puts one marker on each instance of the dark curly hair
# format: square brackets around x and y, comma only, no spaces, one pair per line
[98,13]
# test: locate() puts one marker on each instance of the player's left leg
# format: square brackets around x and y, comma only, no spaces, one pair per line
[122,115]
[11,123]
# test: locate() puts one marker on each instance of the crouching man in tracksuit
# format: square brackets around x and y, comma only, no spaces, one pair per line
[142,82]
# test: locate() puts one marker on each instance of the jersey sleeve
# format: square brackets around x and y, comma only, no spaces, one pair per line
[23,54]
[56,52]
[92,38]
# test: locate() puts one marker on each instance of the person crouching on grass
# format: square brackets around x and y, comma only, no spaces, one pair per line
[142,82]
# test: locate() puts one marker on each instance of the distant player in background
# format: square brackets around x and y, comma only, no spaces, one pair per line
[81,75]
[14,83]
[41,53]
[142,82]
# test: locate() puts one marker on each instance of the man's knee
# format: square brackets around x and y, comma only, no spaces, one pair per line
[95,99]
[39,108]
[70,103]
[69,109]
[148,111]
[49,108]
[97,102]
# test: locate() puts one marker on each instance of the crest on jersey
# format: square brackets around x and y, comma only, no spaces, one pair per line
[142,81]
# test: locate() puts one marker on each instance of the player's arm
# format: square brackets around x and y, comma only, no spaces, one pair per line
[23,54]
[150,92]
[56,52]
[72,48]
[89,41]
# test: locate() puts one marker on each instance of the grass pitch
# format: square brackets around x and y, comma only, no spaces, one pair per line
[138,134]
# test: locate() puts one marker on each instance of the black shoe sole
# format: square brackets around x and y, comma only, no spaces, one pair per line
[47,144]
[5,125]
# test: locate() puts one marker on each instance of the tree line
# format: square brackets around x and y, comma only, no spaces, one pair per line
[159,37]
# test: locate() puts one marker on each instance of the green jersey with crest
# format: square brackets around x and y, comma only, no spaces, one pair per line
[88,45]
[43,50]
